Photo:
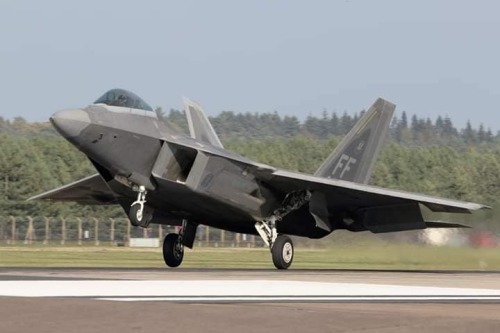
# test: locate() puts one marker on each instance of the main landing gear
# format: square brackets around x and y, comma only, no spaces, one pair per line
[282,252]
[281,246]
[173,244]
[173,250]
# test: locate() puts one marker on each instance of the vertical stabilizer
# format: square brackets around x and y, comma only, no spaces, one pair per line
[199,125]
[353,159]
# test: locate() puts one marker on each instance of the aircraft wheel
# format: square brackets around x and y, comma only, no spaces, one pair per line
[173,250]
[282,252]
[138,217]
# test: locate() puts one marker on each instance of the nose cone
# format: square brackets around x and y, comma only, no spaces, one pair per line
[70,123]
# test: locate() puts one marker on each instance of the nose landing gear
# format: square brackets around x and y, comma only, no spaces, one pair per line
[139,214]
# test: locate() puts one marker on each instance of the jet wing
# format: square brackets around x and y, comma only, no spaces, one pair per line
[91,190]
[341,194]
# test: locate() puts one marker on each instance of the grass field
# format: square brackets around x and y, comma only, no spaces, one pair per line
[344,256]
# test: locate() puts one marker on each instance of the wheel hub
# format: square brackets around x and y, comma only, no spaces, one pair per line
[287,252]
[139,215]
[178,249]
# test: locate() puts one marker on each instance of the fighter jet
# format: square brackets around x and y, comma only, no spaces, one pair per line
[158,175]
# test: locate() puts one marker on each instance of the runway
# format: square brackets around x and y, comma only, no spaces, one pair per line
[143,300]
[239,291]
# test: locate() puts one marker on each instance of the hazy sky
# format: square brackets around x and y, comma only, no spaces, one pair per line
[430,57]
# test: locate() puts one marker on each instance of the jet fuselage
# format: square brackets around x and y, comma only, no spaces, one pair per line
[161,176]
[131,147]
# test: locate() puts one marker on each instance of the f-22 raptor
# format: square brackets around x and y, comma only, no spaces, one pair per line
[159,175]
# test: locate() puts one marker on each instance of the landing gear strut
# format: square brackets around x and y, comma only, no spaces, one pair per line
[140,215]
[281,246]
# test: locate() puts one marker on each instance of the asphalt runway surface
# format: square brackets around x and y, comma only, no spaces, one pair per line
[183,300]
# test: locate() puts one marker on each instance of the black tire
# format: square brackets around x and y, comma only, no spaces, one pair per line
[173,250]
[140,221]
[282,252]
[132,215]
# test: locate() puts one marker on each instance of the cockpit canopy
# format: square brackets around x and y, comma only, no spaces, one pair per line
[123,98]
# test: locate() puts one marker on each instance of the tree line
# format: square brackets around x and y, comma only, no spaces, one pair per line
[230,125]
[406,130]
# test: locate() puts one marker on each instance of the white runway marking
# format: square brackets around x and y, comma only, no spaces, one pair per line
[239,291]
[307,299]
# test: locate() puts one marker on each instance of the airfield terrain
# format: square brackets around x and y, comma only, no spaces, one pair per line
[102,313]
[227,297]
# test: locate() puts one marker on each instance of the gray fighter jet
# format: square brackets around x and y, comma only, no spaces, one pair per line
[159,175]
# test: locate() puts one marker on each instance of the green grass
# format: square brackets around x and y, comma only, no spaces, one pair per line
[342,256]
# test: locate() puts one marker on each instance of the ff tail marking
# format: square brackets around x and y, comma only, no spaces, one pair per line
[355,156]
